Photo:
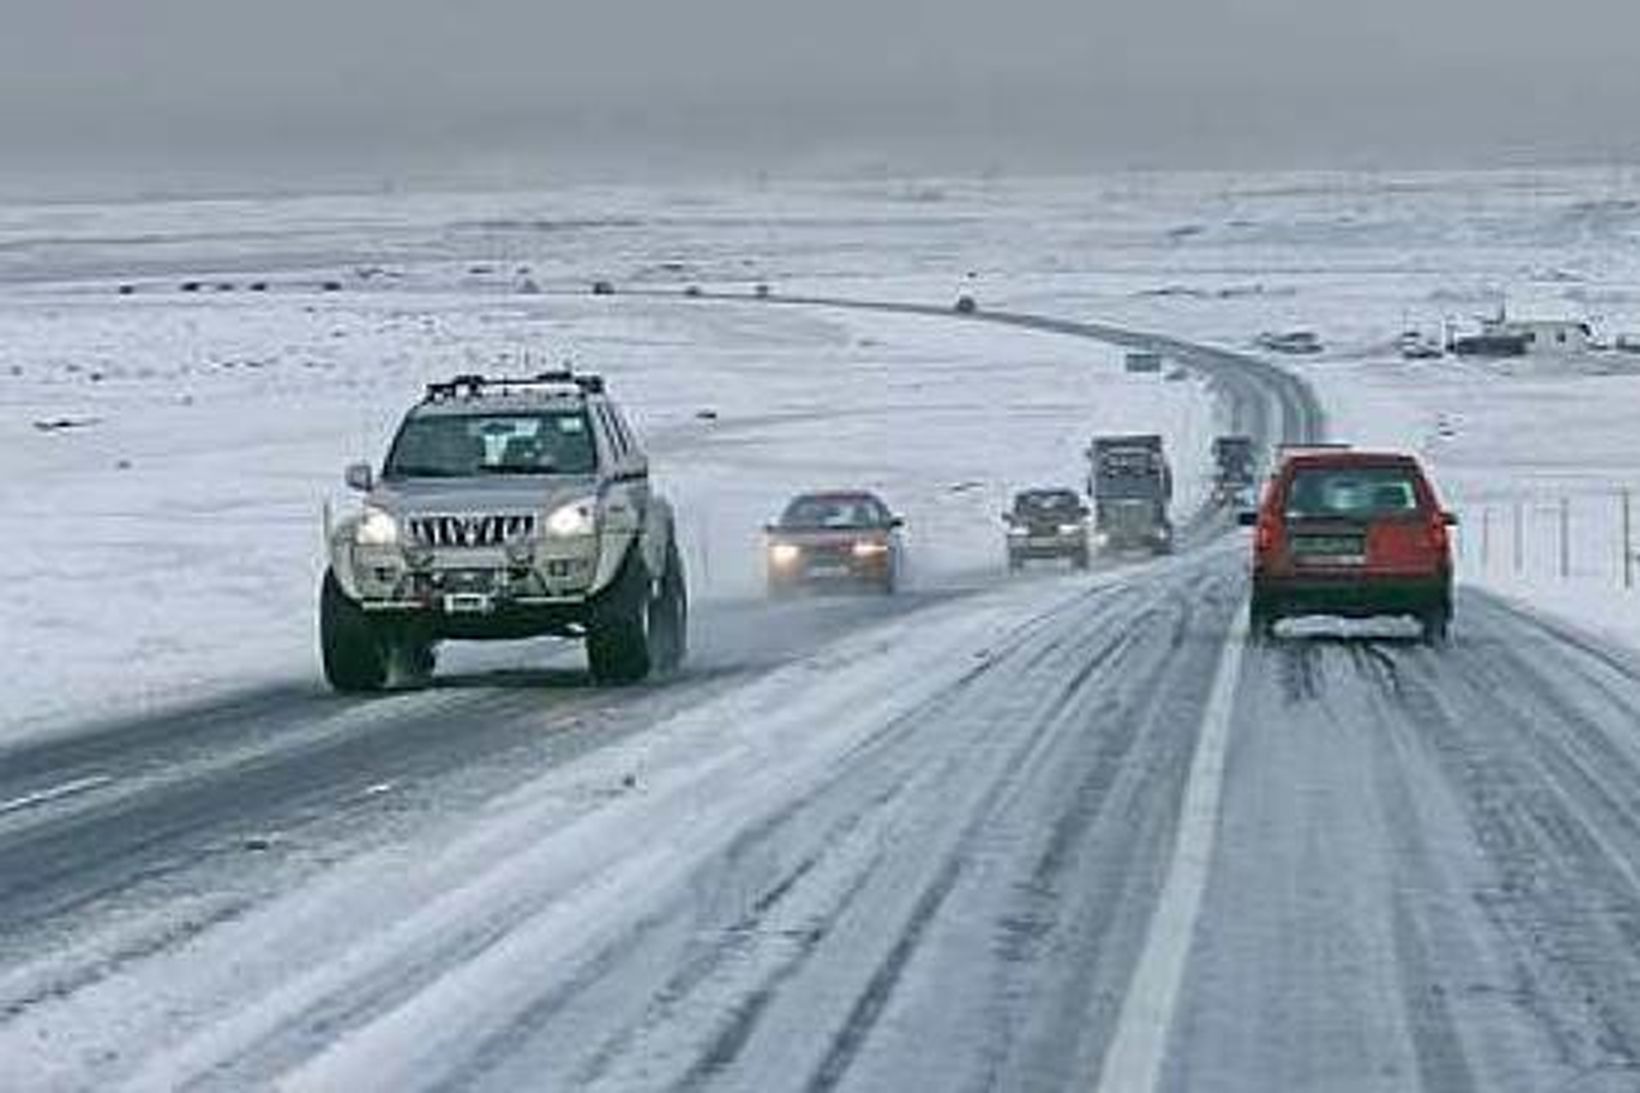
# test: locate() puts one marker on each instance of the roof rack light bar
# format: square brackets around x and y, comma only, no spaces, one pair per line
[471,384]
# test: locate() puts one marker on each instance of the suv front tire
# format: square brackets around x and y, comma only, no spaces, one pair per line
[639,626]
[351,644]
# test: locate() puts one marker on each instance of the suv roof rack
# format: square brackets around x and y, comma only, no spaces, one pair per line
[1299,447]
[473,385]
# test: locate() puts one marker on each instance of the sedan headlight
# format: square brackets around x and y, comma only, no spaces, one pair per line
[576,518]
[1069,529]
[866,548]
[376,527]
[784,553]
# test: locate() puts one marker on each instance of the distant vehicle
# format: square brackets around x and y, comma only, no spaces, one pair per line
[761,291]
[966,305]
[1047,523]
[1418,346]
[1234,473]
[1297,342]
[832,539]
[691,290]
[1131,486]
[1143,361]
[1354,535]
[506,508]
[603,288]
[1627,343]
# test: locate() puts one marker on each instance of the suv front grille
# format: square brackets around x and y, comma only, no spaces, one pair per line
[469,531]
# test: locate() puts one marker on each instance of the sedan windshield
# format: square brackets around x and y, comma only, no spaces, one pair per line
[834,512]
[462,446]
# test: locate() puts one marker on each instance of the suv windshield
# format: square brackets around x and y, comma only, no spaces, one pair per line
[1352,492]
[834,512]
[461,446]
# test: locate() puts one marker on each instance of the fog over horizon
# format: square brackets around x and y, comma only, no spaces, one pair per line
[156,92]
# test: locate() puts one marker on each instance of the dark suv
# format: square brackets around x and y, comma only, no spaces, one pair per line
[1047,523]
[1351,534]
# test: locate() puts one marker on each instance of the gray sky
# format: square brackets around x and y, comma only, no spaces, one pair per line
[387,86]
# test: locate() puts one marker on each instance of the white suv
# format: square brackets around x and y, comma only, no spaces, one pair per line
[506,508]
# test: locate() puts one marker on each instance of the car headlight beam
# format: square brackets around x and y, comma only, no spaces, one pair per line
[783,554]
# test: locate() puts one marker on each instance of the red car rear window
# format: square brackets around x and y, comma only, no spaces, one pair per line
[1360,493]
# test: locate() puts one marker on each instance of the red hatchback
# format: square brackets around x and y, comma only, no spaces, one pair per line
[1351,534]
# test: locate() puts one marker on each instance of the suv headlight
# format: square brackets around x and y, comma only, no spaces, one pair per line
[376,527]
[576,518]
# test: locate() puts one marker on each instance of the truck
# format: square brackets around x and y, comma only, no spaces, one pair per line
[1132,486]
[1233,473]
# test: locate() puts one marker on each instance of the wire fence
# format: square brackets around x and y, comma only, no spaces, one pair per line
[1584,536]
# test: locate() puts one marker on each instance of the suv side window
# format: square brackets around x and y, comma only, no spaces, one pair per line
[612,435]
[629,439]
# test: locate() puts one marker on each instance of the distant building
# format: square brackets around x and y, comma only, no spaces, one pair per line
[1502,336]
[1545,336]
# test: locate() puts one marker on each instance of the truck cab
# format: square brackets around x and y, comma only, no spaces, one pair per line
[1132,488]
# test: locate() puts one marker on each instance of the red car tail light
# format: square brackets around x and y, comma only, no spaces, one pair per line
[1266,535]
[1439,540]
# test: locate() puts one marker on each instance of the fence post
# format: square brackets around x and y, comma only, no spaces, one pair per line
[1565,538]
[1628,542]
[1520,535]
[1486,538]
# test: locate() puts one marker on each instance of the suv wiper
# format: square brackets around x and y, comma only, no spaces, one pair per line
[515,468]
[422,472]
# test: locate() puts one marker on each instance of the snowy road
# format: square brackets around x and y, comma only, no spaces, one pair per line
[865,846]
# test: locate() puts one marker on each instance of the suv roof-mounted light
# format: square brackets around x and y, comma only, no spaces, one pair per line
[472,385]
